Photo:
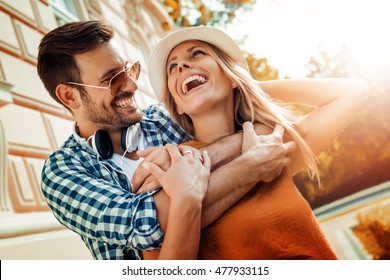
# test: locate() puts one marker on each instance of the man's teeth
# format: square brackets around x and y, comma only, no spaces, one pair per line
[124,102]
[190,79]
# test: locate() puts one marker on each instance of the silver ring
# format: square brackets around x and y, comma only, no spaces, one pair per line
[199,157]
[187,152]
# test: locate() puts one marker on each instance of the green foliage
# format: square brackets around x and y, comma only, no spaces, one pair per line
[360,156]
[187,13]
[260,69]
[327,65]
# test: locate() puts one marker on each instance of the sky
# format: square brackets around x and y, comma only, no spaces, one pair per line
[288,32]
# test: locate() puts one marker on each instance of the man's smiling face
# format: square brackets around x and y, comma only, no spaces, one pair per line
[99,106]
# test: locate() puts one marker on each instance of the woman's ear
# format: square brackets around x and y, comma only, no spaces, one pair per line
[67,95]
[234,84]
[180,111]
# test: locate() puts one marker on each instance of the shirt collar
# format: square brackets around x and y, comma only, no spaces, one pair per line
[82,141]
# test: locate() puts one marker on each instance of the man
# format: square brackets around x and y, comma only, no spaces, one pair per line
[87,188]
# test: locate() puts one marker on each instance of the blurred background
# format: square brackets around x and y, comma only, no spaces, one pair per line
[281,39]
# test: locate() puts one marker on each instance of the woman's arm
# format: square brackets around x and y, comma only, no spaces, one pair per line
[336,102]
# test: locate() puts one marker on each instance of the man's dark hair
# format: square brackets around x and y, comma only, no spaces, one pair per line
[56,64]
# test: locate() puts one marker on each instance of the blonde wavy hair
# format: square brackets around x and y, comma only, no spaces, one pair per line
[251,103]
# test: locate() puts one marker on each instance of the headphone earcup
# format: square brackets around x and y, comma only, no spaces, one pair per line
[102,145]
[130,138]
[124,138]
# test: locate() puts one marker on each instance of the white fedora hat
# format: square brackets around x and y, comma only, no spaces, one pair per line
[212,35]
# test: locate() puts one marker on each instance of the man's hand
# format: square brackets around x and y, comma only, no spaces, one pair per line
[188,175]
[143,180]
[268,152]
[143,177]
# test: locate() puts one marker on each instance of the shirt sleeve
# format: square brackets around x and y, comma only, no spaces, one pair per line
[88,200]
[168,130]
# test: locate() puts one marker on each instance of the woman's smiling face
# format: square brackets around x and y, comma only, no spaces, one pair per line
[195,80]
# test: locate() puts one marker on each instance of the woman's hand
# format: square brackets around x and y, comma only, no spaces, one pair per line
[187,175]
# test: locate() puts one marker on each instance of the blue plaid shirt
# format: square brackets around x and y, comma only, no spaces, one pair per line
[92,196]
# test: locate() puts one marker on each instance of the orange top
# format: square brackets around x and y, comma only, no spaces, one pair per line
[273,221]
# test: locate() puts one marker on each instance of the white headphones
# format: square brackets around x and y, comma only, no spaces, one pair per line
[130,138]
[101,143]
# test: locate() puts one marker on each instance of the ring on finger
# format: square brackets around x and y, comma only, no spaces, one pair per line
[199,157]
[187,152]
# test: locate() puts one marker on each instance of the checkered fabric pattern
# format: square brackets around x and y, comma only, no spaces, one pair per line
[92,197]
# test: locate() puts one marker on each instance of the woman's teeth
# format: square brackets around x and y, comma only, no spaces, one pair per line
[200,80]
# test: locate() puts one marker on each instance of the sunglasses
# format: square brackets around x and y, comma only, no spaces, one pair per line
[119,79]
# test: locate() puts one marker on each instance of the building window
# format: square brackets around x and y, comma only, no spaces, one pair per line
[67,10]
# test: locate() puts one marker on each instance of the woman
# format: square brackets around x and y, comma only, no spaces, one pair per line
[203,78]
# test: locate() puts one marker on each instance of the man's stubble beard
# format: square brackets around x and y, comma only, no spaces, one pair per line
[109,117]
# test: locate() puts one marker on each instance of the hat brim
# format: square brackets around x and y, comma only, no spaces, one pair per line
[212,35]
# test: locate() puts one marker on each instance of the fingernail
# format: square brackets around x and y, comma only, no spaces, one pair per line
[145,165]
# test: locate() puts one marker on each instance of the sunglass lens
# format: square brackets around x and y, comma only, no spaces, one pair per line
[117,82]
[119,79]
[135,70]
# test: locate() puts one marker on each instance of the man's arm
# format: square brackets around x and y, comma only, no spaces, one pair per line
[90,205]
[221,152]
[261,156]
[263,159]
